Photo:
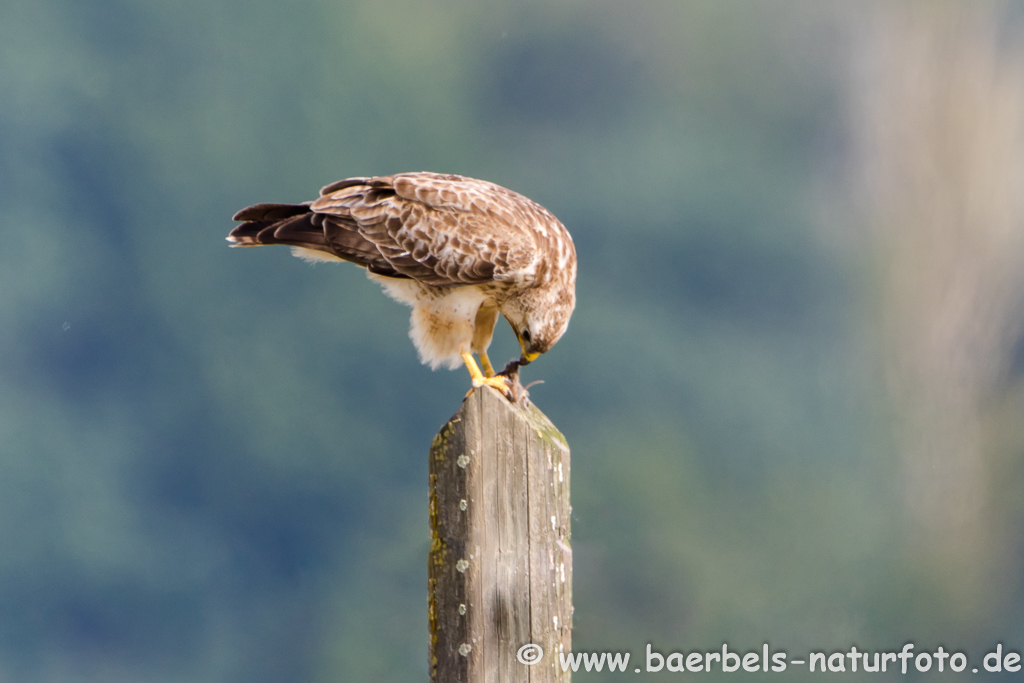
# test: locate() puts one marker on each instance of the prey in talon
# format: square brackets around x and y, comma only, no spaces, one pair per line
[457,250]
[520,395]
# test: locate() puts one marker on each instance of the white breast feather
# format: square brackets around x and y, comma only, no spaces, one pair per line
[441,324]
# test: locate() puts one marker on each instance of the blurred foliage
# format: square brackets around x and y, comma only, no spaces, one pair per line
[213,462]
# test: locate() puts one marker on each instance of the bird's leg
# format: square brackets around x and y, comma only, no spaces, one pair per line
[479,380]
[485,362]
[483,329]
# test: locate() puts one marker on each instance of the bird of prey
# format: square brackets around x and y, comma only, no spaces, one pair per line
[458,250]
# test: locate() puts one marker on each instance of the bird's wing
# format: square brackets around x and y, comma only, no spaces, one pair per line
[297,225]
[437,229]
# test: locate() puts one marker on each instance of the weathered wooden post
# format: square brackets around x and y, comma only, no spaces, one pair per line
[500,567]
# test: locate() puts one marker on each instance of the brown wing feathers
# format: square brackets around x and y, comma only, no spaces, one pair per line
[297,225]
[424,226]
[276,224]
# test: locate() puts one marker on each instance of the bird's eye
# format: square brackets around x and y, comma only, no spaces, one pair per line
[525,334]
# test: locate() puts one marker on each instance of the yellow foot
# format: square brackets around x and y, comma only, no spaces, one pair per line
[479,380]
[498,383]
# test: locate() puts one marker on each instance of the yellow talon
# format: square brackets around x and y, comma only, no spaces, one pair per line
[479,380]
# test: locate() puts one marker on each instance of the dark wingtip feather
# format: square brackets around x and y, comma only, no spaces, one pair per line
[247,234]
[340,184]
[271,212]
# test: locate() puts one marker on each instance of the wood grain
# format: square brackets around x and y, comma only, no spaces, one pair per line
[500,565]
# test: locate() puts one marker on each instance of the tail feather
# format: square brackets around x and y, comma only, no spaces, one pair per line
[296,225]
[271,212]
[291,224]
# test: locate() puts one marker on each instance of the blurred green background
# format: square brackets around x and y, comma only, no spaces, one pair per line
[792,385]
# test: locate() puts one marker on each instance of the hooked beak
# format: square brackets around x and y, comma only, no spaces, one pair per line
[527,358]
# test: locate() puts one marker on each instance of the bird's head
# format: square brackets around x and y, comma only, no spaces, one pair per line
[539,318]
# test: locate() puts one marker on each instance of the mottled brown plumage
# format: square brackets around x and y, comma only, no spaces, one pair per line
[455,249]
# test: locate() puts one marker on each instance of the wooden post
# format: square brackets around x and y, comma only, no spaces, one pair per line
[500,567]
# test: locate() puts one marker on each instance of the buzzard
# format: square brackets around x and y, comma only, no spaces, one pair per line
[458,250]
